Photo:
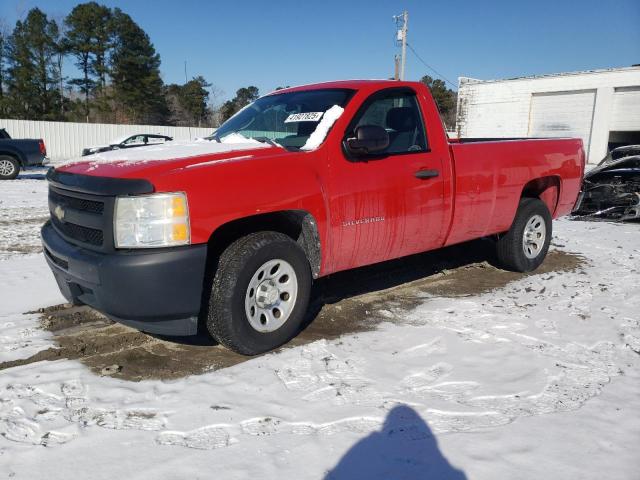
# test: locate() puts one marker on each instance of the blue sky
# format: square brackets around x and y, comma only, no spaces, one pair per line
[269,44]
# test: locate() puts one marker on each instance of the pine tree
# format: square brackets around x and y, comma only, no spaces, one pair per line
[188,102]
[135,70]
[445,98]
[103,38]
[89,39]
[20,72]
[3,43]
[42,38]
[31,73]
[61,51]
[244,96]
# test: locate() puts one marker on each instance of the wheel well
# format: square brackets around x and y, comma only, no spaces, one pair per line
[12,155]
[299,225]
[546,189]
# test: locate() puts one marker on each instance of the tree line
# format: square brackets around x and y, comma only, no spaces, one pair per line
[445,98]
[118,74]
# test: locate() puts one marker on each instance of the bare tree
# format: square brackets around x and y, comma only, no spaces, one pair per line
[215,103]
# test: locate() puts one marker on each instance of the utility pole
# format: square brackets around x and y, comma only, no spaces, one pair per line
[402,22]
[405,21]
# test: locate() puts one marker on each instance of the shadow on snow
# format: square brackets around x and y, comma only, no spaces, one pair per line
[404,448]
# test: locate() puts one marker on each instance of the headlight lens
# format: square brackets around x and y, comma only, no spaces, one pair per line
[158,220]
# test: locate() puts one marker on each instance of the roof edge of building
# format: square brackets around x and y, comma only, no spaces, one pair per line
[462,80]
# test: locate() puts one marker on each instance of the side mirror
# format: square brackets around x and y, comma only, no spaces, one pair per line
[368,139]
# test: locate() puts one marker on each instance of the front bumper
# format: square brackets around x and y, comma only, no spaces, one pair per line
[156,291]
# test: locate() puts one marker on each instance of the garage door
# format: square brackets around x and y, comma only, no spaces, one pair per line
[626,109]
[563,114]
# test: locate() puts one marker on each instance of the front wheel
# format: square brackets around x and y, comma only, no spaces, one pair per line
[260,293]
[9,167]
[524,247]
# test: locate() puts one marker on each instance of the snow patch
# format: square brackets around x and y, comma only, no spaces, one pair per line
[171,151]
[238,139]
[321,131]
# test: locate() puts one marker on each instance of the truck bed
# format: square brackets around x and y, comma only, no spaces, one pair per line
[26,150]
[491,174]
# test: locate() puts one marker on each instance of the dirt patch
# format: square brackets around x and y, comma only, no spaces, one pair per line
[23,221]
[19,236]
[343,303]
[22,249]
[350,302]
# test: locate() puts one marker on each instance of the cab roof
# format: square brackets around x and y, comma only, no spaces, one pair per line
[350,84]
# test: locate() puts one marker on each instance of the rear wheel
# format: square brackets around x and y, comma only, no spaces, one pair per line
[260,293]
[9,167]
[524,247]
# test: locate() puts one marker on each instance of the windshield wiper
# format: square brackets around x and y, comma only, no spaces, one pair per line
[267,140]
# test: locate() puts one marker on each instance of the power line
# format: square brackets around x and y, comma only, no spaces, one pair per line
[431,68]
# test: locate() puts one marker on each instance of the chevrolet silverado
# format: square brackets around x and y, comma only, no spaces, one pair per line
[227,233]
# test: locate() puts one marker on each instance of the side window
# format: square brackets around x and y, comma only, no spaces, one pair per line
[137,140]
[151,140]
[398,113]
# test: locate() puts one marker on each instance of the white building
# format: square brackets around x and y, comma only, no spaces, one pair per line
[601,106]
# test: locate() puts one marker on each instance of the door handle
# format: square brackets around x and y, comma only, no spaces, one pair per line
[424,174]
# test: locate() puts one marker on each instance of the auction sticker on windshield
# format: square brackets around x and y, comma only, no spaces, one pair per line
[304,117]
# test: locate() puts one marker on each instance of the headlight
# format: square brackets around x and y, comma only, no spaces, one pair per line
[158,220]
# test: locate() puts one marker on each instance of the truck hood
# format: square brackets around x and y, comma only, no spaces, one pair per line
[157,159]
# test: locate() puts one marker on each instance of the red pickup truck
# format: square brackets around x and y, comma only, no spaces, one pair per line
[228,232]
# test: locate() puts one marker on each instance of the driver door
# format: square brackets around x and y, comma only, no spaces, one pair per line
[390,204]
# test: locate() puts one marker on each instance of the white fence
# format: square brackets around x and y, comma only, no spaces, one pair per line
[66,140]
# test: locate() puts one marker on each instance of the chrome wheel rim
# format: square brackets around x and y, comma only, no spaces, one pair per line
[535,233]
[7,168]
[271,295]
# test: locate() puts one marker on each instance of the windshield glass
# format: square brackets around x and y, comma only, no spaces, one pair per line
[287,119]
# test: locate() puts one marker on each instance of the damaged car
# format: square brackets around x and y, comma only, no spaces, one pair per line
[611,190]
[128,141]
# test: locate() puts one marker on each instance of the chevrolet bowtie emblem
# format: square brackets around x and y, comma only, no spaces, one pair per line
[59,212]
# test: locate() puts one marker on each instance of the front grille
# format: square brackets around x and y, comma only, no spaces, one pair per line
[82,204]
[82,207]
[88,235]
[80,217]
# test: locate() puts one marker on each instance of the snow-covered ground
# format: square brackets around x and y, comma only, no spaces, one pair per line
[538,379]
[23,209]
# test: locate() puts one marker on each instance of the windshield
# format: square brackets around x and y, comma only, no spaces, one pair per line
[287,119]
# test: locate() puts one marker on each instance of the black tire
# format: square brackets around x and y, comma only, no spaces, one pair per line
[513,254]
[227,320]
[7,161]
